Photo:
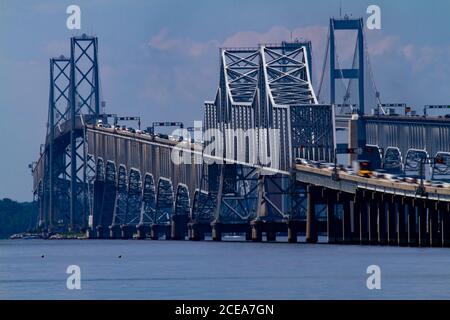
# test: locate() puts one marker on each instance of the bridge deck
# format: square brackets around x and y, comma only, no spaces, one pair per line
[350,183]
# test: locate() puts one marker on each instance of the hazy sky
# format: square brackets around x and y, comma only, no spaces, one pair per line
[159,59]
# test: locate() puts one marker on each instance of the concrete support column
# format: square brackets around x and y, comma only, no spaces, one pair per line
[311,222]
[91,233]
[115,232]
[154,232]
[256,230]
[216,231]
[422,215]
[271,236]
[402,234]
[433,224]
[364,200]
[382,224]
[373,217]
[142,231]
[411,214]
[101,232]
[346,218]
[392,221]
[293,229]
[197,234]
[355,234]
[178,226]
[444,214]
[330,195]
[248,234]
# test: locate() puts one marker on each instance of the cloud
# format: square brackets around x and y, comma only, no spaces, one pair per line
[379,44]
[421,57]
[163,42]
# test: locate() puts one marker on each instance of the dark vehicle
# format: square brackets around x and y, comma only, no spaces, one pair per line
[162,136]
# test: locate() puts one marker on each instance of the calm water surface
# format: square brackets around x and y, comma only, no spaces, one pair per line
[210,270]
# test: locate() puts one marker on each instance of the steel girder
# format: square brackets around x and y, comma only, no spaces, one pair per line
[121,200]
[182,201]
[148,209]
[108,199]
[312,132]
[264,90]
[164,201]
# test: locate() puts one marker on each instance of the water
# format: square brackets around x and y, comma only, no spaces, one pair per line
[226,270]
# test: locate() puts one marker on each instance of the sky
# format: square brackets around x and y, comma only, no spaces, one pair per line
[159,59]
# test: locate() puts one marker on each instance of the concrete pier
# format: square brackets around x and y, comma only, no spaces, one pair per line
[444,216]
[422,222]
[197,230]
[402,231]
[412,224]
[311,221]
[382,222]
[331,212]
[364,203]
[127,231]
[355,233]
[372,218]
[256,230]
[179,227]
[434,225]
[115,232]
[142,231]
[293,227]
[346,218]
[391,228]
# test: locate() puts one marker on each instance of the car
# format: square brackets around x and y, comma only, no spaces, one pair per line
[162,136]
[132,130]
[412,179]
[440,184]
[379,174]
[301,161]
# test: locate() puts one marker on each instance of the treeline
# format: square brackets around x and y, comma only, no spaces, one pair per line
[16,217]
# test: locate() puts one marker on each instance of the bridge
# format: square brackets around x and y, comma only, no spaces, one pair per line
[268,158]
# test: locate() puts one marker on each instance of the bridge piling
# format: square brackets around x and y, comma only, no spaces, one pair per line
[115,232]
[373,217]
[355,234]
[346,218]
[293,229]
[402,233]
[216,231]
[412,224]
[364,221]
[271,236]
[311,223]
[331,218]
[433,225]
[256,226]
[178,225]
[422,222]
[383,221]
[445,224]
[142,231]
[127,231]
[197,230]
[392,237]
